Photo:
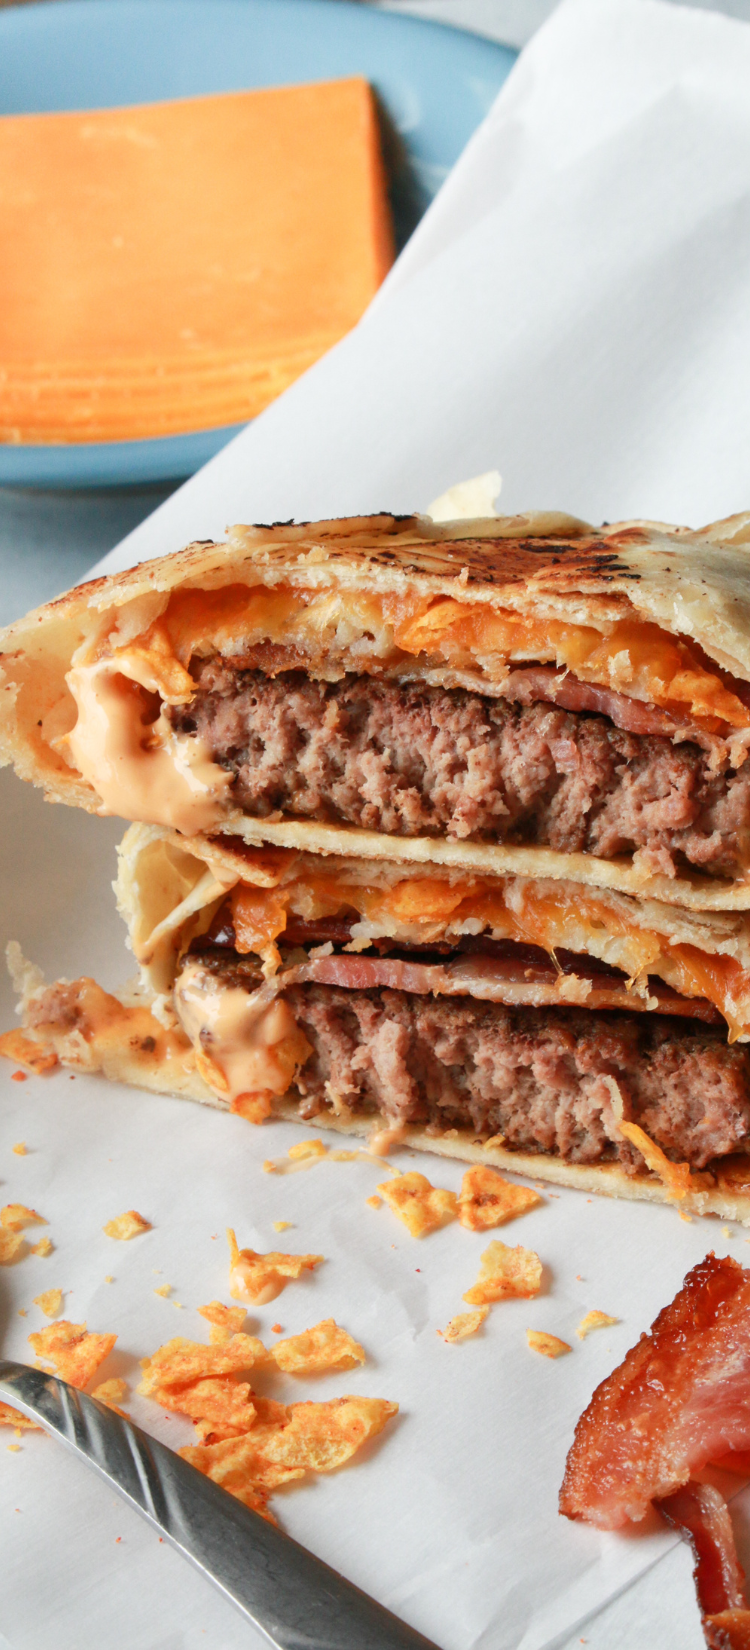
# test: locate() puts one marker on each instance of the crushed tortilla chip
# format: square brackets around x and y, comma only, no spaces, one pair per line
[282,1225]
[494,1140]
[216,1399]
[326,1347]
[75,1354]
[113,1391]
[464,1324]
[165,1290]
[421,1206]
[307,1148]
[225,1321]
[16,1046]
[16,1215]
[260,1278]
[486,1199]
[675,1177]
[315,1438]
[20,1148]
[180,1362]
[11,1245]
[374,1202]
[549,1345]
[255,1108]
[594,1320]
[50,1302]
[13,1418]
[127,1226]
[44,1247]
[505,1272]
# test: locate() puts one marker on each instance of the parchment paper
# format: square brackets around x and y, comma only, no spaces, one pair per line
[573,311]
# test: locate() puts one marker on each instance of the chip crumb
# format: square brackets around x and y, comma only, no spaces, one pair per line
[725,1232]
[260,1278]
[179,1305]
[75,1353]
[10,1417]
[225,1321]
[14,1448]
[594,1320]
[374,1202]
[164,1289]
[326,1347]
[15,1216]
[301,1156]
[50,1301]
[464,1324]
[421,1206]
[22,1313]
[109,1278]
[277,1328]
[494,1140]
[549,1345]
[282,1225]
[127,1226]
[23,1051]
[112,1393]
[20,1148]
[486,1199]
[43,1248]
[11,1246]
[504,1273]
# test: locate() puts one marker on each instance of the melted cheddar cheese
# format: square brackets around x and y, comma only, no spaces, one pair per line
[430,909]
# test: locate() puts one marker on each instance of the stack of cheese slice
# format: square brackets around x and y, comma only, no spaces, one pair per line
[440,832]
[176,265]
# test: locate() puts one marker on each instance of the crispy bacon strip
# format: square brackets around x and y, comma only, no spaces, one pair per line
[701,1515]
[632,715]
[680,1399]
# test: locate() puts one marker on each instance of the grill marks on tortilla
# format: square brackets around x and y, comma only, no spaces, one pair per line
[412,759]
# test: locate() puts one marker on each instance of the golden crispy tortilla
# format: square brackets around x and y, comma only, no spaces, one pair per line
[544,569]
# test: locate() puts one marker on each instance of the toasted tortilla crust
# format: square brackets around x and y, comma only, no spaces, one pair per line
[544,564]
[119,1054]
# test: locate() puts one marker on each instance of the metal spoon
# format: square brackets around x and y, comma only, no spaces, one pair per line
[290,1596]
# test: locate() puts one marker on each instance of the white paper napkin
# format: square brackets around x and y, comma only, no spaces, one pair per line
[573,310]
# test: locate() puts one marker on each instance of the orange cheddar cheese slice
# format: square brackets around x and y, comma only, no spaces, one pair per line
[176,265]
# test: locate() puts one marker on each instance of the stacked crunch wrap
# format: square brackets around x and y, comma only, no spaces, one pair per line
[441,834]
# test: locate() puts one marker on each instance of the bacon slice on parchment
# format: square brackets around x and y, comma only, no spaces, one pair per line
[680,1399]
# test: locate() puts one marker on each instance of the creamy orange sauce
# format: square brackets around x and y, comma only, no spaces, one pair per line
[251,1041]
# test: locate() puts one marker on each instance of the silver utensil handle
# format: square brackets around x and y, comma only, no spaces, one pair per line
[296,1600]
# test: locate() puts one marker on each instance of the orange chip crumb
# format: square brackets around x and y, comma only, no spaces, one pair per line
[15,1045]
[50,1302]
[180,1362]
[486,1199]
[675,1177]
[14,1448]
[374,1202]
[282,1225]
[255,1108]
[20,1148]
[494,1140]
[75,1354]
[225,1321]
[277,1328]
[326,1347]
[549,1345]
[16,1215]
[13,1418]
[314,1438]
[594,1320]
[127,1226]
[307,1148]
[505,1272]
[18,1077]
[421,1206]
[164,1290]
[464,1324]
[260,1278]
[11,1246]
[44,1247]
[112,1393]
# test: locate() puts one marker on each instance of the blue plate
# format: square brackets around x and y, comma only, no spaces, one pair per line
[435,84]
